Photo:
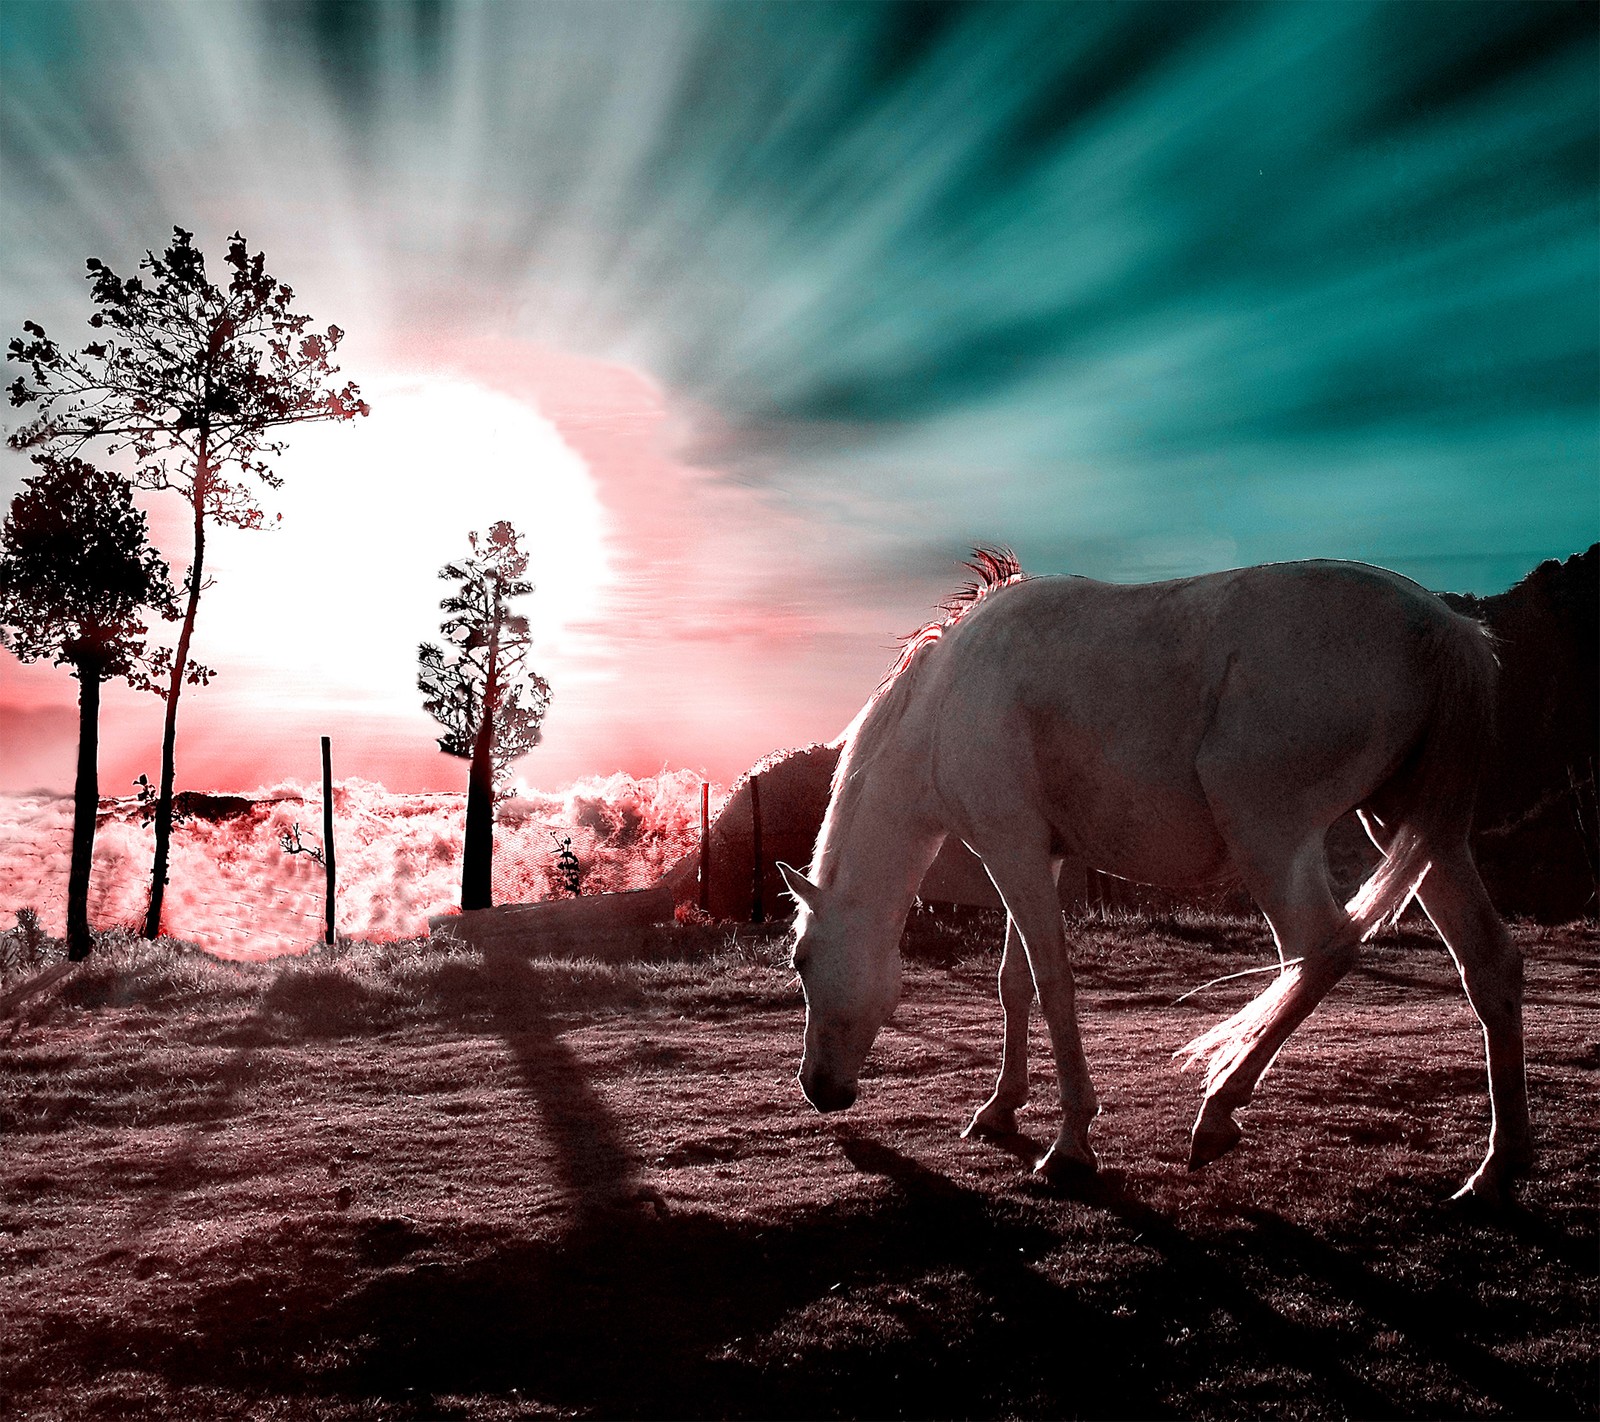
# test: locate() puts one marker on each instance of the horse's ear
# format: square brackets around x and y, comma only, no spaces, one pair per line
[802,888]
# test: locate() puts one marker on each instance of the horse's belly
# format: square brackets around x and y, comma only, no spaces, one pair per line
[1175,846]
[1151,823]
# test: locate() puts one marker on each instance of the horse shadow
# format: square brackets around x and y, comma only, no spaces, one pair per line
[1437,1321]
[667,1315]
[641,1313]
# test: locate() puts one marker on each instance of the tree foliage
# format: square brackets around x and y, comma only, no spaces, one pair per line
[479,688]
[195,379]
[76,577]
[481,674]
[77,574]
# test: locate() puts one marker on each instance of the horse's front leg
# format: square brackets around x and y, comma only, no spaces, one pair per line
[1027,885]
[998,1115]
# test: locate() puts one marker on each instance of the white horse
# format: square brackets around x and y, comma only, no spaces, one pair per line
[1173,733]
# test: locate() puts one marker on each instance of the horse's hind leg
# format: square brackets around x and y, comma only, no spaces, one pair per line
[1317,941]
[1491,972]
[998,1115]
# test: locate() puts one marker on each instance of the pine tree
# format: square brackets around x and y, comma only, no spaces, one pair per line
[76,576]
[479,688]
[195,380]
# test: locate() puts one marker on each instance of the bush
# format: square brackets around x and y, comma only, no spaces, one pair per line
[27,947]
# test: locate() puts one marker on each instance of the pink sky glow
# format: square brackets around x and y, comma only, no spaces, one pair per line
[690,626]
[754,320]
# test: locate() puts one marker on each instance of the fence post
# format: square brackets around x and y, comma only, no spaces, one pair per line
[757,910]
[705,848]
[327,828]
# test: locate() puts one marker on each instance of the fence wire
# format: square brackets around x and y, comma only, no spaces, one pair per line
[234,890]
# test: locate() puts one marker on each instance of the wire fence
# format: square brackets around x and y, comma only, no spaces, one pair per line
[248,881]
[235,889]
[535,863]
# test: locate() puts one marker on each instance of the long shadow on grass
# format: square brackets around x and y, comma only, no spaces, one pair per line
[692,1315]
[1438,1322]
[1579,1251]
[1307,1349]
[1196,1280]
[185,1166]
[923,1298]
[1435,1320]
[593,1163]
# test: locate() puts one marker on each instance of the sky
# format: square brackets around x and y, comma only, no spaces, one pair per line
[755,318]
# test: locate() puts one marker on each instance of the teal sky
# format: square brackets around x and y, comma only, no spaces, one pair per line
[1140,289]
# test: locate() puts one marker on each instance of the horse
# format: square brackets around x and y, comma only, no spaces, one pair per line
[1173,733]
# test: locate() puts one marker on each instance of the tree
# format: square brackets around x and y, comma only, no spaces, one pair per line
[193,379]
[481,691]
[76,573]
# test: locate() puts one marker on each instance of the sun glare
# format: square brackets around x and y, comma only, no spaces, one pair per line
[344,589]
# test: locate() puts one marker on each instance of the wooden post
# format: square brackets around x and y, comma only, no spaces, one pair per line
[705,848]
[327,828]
[757,911]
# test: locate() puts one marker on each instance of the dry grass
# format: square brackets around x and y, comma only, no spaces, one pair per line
[404,1181]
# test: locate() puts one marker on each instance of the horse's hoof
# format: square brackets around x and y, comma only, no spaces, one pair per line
[992,1121]
[1494,1183]
[1213,1140]
[1485,1191]
[1067,1173]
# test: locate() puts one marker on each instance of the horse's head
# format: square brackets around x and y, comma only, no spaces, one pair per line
[849,967]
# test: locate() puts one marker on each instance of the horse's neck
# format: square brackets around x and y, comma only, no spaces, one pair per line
[881,845]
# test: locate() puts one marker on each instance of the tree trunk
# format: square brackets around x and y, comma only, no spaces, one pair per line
[85,806]
[169,732]
[477,857]
[477,850]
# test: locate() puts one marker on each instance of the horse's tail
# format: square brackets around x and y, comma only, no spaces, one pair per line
[1438,786]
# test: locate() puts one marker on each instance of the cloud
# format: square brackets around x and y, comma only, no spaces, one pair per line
[1139,290]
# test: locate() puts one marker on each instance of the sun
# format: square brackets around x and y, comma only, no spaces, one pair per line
[333,600]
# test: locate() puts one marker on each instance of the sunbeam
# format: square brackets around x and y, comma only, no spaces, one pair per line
[1141,290]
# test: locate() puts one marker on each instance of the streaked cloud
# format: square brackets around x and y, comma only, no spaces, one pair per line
[1140,290]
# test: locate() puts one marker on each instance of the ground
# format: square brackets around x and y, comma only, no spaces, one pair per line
[411,1182]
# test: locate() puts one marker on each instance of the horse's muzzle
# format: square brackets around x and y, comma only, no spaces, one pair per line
[827,1094]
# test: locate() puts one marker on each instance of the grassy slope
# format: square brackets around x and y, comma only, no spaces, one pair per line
[397,1182]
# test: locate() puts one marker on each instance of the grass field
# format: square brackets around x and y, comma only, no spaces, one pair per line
[404,1181]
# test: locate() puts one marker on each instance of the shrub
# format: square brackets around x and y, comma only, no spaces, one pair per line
[27,947]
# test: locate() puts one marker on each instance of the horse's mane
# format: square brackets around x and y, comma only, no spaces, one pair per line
[994,568]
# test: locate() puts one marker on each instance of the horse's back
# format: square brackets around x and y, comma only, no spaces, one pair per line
[1100,702]
[1161,654]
